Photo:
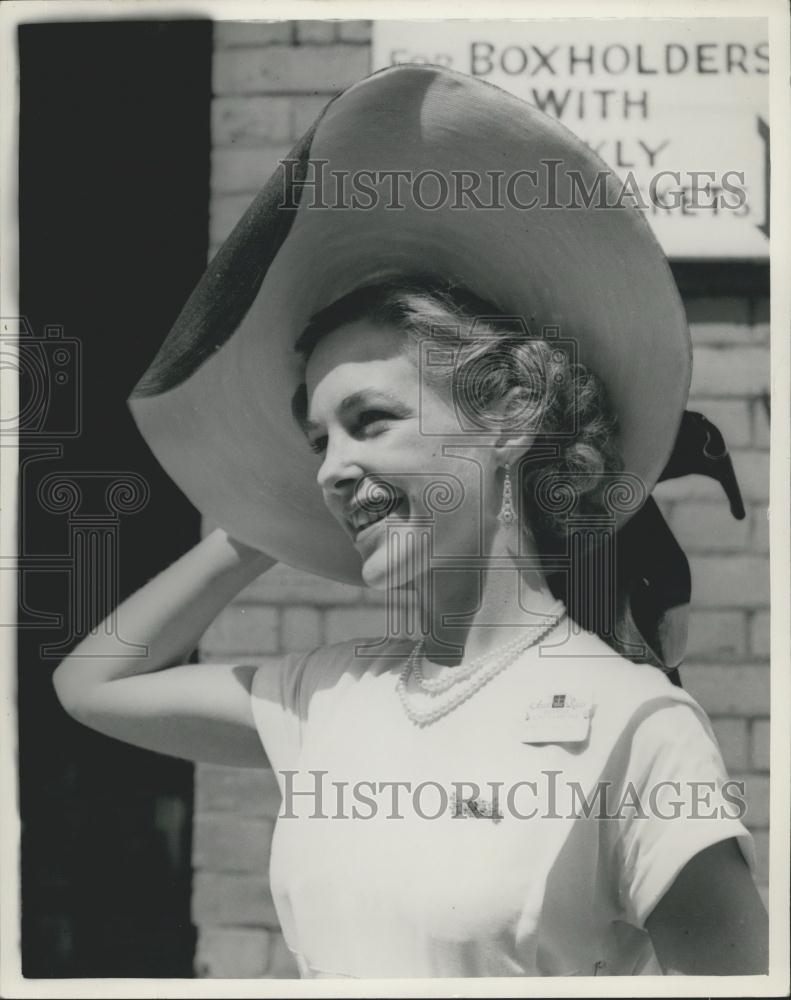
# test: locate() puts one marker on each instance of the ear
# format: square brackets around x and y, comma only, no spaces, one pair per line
[513,416]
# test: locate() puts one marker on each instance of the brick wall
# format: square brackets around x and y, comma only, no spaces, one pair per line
[270,81]
[727,662]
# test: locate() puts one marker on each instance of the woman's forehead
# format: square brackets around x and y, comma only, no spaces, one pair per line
[359,351]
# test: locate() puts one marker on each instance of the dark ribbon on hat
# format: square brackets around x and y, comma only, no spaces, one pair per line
[653,582]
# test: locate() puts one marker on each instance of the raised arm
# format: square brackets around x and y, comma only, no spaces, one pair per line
[198,711]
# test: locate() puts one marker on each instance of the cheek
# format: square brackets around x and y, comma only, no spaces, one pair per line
[441,484]
[464,498]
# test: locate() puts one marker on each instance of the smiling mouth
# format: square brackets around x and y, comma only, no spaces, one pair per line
[364,522]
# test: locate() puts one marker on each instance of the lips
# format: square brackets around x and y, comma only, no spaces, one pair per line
[362,521]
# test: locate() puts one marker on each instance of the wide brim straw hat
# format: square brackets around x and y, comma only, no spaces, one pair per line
[215,405]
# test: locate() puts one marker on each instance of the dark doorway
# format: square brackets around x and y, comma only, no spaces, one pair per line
[114,185]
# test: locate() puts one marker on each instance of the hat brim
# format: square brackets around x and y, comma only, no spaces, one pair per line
[224,432]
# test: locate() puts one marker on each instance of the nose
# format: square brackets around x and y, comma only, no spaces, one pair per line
[342,466]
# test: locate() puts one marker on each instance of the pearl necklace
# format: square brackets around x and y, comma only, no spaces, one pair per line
[441,684]
[481,671]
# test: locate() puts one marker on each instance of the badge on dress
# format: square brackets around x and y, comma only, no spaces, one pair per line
[558,717]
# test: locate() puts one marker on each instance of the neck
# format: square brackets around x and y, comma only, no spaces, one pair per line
[469,613]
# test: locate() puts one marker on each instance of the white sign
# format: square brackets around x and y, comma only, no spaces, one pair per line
[678,108]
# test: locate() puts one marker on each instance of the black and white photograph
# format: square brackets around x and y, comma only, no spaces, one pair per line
[388,455]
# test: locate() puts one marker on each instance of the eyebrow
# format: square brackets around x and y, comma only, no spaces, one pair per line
[359,398]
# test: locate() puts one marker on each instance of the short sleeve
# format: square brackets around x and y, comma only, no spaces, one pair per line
[279,707]
[675,800]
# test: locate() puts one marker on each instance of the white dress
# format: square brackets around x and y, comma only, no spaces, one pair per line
[371,878]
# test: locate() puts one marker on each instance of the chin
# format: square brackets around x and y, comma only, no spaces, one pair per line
[377,576]
[381,573]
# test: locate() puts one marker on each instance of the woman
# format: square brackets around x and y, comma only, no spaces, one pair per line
[493,790]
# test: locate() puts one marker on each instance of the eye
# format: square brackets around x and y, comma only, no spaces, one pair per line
[368,418]
[365,421]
